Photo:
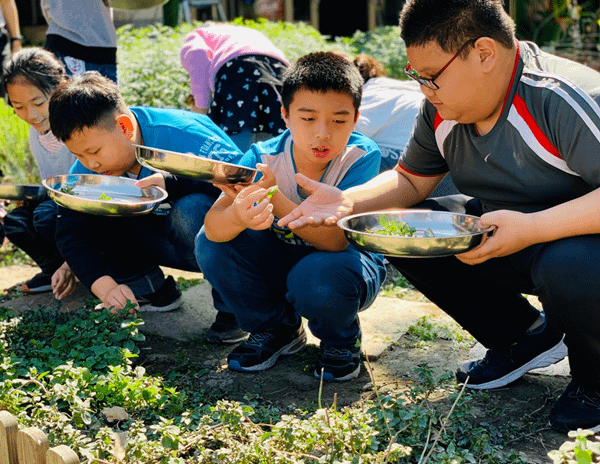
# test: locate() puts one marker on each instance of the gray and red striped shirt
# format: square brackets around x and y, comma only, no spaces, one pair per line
[544,149]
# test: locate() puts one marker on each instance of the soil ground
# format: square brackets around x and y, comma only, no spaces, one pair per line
[519,411]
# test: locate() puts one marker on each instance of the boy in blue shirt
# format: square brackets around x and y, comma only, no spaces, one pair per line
[118,258]
[271,277]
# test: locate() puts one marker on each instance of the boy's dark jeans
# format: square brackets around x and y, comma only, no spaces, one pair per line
[267,282]
[31,228]
[131,249]
[486,298]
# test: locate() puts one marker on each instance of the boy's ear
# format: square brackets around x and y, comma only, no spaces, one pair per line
[126,124]
[285,117]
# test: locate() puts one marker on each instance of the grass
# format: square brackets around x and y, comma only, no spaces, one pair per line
[16,163]
[11,255]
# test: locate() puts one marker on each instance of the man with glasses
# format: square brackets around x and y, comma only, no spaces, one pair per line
[524,145]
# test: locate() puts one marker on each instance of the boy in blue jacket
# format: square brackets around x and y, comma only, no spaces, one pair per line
[271,277]
[118,258]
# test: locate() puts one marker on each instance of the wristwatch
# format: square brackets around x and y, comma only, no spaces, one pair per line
[14,39]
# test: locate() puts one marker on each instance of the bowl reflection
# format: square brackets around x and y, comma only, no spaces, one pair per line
[437,233]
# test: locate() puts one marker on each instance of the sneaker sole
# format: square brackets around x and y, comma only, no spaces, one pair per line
[148,308]
[595,429]
[42,289]
[215,338]
[545,359]
[296,345]
[328,376]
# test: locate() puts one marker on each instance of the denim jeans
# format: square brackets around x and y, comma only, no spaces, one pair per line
[267,282]
[131,249]
[31,228]
[245,138]
[107,70]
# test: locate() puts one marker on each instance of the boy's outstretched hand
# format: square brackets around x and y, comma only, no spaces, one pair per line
[324,207]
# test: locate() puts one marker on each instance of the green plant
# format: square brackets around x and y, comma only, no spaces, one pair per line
[151,74]
[10,255]
[183,283]
[16,162]
[150,71]
[397,286]
[428,329]
[583,448]
[64,372]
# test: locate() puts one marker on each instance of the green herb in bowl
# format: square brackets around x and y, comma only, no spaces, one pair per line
[396,228]
[68,189]
[104,197]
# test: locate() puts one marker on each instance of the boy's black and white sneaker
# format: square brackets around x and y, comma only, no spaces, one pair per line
[39,283]
[262,349]
[226,329]
[499,367]
[337,364]
[166,298]
[577,408]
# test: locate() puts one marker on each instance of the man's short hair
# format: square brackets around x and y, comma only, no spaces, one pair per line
[451,23]
[85,101]
[322,72]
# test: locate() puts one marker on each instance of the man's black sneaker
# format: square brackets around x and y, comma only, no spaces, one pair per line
[262,349]
[226,329]
[499,367]
[39,283]
[576,408]
[166,298]
[337,364]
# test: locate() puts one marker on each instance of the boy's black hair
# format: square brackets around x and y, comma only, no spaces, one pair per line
[37,67]
[451,23]
[322,72]
[85,101]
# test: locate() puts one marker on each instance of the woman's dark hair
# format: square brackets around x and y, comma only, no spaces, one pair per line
[37,67]
[451,23]
[369,67]
[321,72]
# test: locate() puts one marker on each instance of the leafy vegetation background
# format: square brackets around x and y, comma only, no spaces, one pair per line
[150,73]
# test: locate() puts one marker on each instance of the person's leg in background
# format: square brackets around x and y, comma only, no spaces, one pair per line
[75,66]
[567,280]
[27,227]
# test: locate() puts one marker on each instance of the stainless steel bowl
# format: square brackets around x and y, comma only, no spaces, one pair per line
[20,191]
[135,4]
[452,233]
[194,167]
[103,195]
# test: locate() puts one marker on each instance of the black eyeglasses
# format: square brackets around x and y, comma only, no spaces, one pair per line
[429,83]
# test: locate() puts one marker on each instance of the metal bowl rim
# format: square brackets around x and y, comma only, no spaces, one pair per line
[191,156]
[125,180]
[341,224]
